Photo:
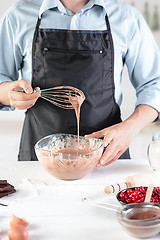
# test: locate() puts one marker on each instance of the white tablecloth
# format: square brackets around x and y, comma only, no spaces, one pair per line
[54,207]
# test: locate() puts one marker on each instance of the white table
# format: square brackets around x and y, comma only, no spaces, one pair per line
[54,207]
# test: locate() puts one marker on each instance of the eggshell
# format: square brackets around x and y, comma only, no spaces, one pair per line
[16,220]
[18,232]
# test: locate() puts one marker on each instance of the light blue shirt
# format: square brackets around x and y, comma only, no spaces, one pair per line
[134,44]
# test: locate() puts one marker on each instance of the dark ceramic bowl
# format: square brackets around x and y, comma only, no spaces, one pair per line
[142,196]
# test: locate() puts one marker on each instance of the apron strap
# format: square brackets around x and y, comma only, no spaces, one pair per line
[39,22]
[108,24]
[33,43]
[112,45]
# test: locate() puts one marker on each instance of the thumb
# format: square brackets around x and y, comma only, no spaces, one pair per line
[98,134]
[37,89]
[107,138]
[26,86]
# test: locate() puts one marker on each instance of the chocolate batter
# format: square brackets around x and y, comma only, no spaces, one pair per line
[76,103]
[71,166]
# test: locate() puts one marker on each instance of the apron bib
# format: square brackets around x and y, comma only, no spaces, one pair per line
[78,58]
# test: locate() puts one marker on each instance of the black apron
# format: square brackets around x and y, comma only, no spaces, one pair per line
[82,59]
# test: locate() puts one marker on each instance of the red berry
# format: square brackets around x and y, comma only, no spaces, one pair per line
[139,200]
[130,196]
[122,195]
[129,191]
[158,188]
[142,199]
[128,200]
[142,189]
[138,194]
[141,195]
[152,199]
[134,199]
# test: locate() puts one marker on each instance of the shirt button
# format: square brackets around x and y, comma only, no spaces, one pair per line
[62,14]
[87,14]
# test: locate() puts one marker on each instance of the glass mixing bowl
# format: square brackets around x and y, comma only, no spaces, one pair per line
[60,156]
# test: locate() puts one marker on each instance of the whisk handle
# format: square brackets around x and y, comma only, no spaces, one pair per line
[20,90]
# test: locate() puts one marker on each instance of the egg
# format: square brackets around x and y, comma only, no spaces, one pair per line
[16,220]
[18,232]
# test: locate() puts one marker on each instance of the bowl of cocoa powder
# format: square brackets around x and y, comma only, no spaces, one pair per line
[140,220]
[67,156]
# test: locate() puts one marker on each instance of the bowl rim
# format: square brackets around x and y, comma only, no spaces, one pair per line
[155,219]
[65,134]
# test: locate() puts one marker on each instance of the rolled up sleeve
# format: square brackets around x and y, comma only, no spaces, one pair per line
[143,62]
[10,55]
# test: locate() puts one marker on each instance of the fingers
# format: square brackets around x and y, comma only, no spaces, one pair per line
[117,139]
[37,89]
[25,85]
[107,139]
[108,155]
[23,104]
[111,154]
[112,158]
[99,134]
[20,96]
[23,100]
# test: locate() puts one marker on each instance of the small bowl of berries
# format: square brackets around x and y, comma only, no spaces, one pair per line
[137,195]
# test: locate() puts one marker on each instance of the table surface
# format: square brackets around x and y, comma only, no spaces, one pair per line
[54,207]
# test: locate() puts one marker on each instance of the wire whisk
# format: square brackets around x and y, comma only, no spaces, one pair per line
[61,96]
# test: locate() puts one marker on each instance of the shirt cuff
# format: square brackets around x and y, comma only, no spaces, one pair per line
[6,107]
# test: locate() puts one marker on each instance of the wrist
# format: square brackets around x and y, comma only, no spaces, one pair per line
[142,116]
[5,87]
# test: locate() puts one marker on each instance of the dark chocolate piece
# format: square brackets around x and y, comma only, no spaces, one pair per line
[6,187]
[3,194]
[3,181]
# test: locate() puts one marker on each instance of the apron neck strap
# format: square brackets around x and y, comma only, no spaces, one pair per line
[107,23]
[39,22]
[35,32]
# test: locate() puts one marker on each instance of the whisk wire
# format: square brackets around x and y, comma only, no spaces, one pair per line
[59,96]
[61,103]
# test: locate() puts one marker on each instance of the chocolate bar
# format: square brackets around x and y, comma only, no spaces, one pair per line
[3,181]
[3,194]
[6,188]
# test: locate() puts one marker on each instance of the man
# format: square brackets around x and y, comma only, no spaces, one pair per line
[84,44]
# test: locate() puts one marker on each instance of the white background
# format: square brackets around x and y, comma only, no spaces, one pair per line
[11,122]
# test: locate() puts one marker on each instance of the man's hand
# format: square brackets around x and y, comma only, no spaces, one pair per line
[19,100]
[118,137]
